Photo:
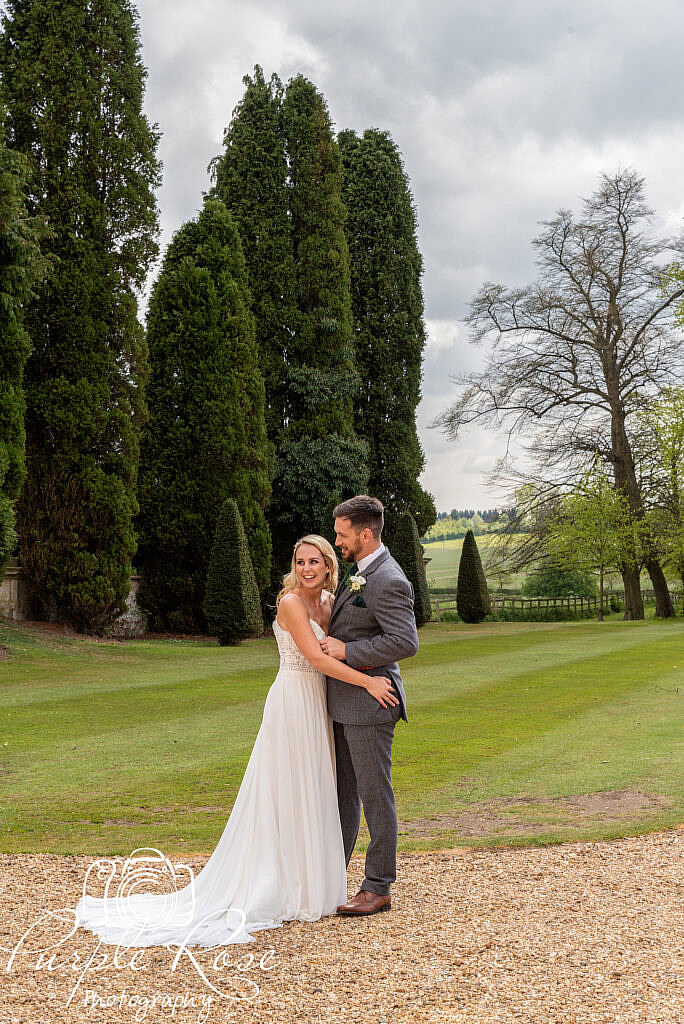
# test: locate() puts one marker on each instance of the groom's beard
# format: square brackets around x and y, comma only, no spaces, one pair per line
[352,554]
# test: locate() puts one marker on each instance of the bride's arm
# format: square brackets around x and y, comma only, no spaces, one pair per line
[295,618]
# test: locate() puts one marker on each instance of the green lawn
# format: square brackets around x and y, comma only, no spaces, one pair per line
[105,747]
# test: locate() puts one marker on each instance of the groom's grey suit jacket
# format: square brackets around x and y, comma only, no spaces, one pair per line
[376,637]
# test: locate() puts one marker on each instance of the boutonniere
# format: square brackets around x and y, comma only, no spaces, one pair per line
[357,583]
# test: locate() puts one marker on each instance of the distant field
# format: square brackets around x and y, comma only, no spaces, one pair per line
[442,570]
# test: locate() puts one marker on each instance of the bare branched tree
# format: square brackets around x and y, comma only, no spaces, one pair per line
[574,355]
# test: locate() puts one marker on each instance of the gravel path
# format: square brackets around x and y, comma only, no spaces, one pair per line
[569,934]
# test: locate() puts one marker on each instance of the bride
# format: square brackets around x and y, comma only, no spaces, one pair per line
[280,857]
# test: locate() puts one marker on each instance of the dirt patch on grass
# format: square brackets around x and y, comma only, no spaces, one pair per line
[525,814]
[56,631]
[60,631]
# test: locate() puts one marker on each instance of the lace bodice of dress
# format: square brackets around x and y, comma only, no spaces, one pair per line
[290,655]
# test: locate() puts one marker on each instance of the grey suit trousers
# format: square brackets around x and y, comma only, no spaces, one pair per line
[363,755]
[378,628]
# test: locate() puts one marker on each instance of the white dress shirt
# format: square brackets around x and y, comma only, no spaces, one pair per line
[364,562]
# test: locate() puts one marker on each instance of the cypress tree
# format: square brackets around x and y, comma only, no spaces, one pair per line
[389,333]
[231,604]
[472,595]
[251,179]
[408,551]
[21,268]
[280,175]
[72,81]
[206,437]
[323,381]
[319,451]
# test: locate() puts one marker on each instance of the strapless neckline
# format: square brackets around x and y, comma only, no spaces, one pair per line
[315,623]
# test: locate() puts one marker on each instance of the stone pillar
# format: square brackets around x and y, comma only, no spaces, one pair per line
[14,594]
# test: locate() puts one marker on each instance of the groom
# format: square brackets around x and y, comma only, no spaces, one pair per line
[372,626]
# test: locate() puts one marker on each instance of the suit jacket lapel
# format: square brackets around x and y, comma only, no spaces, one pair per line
[339,601]
[341,585]
[347,592]
[339,594]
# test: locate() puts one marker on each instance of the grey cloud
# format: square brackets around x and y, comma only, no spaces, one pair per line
[503,111]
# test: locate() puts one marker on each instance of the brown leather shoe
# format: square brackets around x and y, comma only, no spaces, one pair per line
[365,902]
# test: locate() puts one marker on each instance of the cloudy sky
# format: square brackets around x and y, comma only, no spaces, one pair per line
[504,111]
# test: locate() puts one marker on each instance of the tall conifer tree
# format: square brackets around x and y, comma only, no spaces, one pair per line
[251,179]
[387,306]
[408,552]
[206,438]
[73,82]
[21,268]
[319,452]
[472,593]
[280,175]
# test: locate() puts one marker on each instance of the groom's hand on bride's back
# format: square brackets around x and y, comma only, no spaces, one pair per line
[382,689]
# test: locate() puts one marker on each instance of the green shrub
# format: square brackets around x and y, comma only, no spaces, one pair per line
[408,551]
[231,604]
[472,596]
[559,583]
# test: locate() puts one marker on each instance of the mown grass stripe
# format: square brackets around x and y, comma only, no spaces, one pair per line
[544,710]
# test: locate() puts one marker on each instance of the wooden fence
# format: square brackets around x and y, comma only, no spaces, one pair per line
[447,602]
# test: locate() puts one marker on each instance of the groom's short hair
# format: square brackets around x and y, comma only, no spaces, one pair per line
[362,511]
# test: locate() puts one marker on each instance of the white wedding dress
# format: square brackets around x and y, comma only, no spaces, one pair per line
[280,857]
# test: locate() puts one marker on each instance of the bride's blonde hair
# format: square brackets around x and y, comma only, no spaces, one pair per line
[290,581]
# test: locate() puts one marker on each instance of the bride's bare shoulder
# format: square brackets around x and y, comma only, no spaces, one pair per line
[292,605]
[291,611]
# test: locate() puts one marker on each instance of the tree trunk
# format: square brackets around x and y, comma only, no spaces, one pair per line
[664,605]
[634,605]
[600,613]
[625,481]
